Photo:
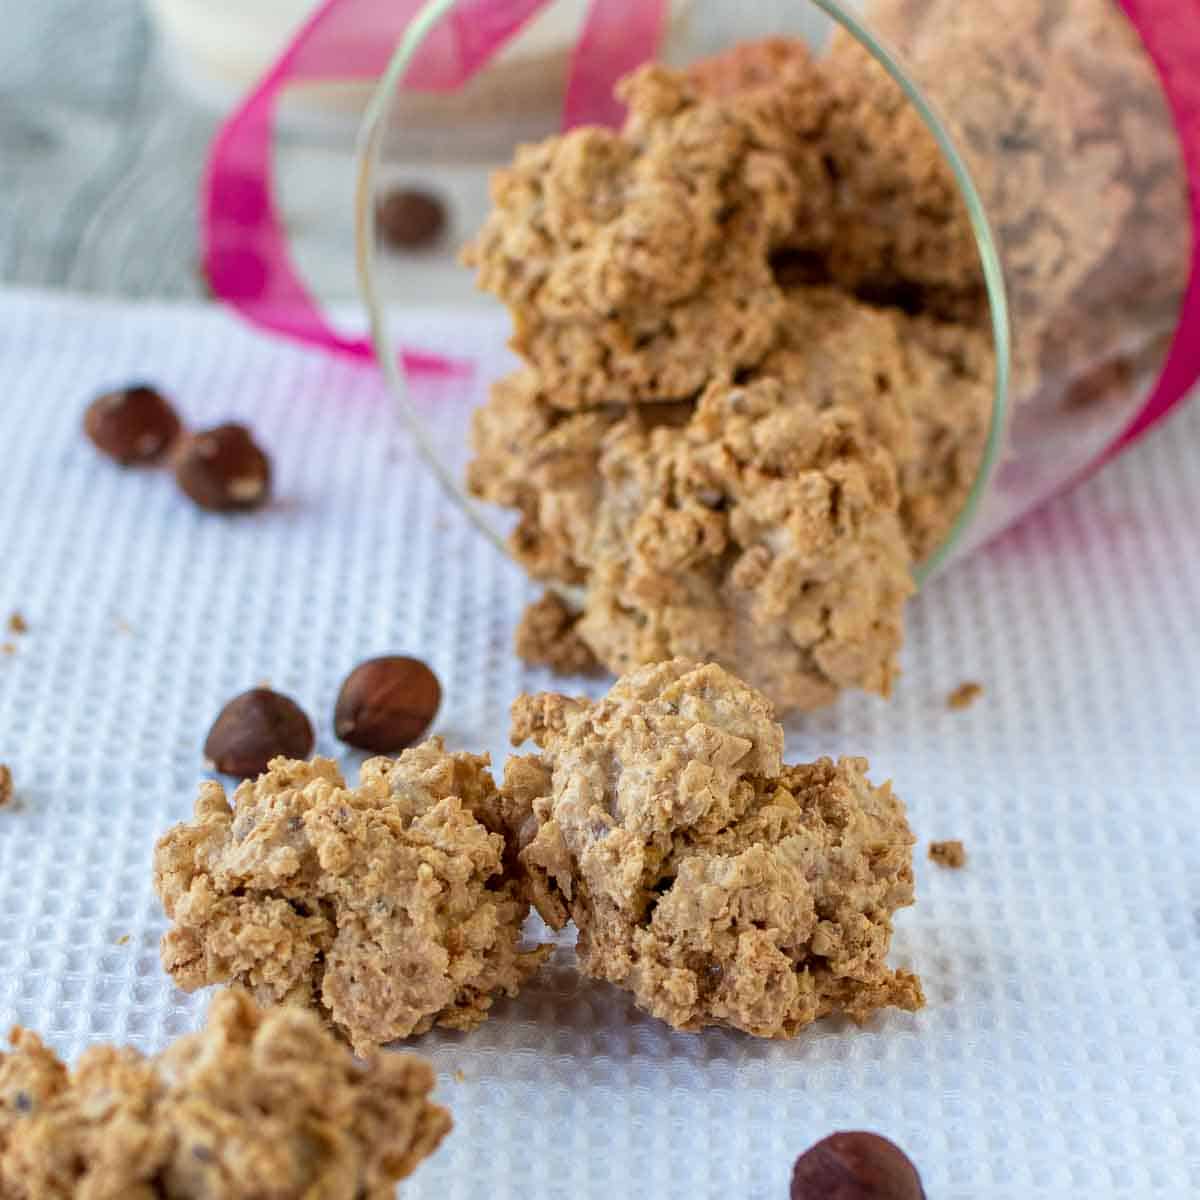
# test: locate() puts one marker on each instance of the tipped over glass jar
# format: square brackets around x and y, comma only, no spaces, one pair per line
[850,290]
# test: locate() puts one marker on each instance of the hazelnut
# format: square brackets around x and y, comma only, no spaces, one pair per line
[410,218]
[254,728]
[386,704]
[223,469]
[134,425]
[855,1166]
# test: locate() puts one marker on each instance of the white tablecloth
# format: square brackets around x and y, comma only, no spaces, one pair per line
[1060,1051]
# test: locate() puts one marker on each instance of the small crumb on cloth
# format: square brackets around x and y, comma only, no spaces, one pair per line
[17,623]
[948,854]
[964,695]
[6,786]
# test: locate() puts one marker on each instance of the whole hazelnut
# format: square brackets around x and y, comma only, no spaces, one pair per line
[855,1166]
[386,704]
[135,424]
[223,469]
[410,218]
[254,728]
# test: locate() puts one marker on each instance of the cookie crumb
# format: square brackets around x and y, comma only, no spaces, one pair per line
[547,637]
[7,648]
[17,623]
[123,940]
[460,1076]
[948,854]
[6,786]
[964,696]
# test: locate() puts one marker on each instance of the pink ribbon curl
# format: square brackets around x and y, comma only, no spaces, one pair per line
[244,243]
[1170,31]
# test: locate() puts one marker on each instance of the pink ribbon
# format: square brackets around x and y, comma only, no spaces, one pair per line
[244,244]
[617,36]
[1170,30]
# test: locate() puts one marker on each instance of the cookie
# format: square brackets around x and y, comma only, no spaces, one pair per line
[388,908]
[256,1104]
[717,884]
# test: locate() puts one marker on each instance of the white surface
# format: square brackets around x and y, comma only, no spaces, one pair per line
[1060,1052]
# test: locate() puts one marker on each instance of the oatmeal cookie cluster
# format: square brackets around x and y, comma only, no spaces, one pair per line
[389,907]
[716,883]
[742,417]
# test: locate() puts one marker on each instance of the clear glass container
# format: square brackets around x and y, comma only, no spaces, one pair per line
[1012,170]
[1087,228]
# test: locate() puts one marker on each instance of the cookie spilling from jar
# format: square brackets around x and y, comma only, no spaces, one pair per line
[388,907]
[257,1104]
[716,883]
[748,407]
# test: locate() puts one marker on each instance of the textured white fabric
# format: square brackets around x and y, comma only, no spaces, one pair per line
[1060,1051]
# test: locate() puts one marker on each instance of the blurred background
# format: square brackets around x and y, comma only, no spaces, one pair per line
[107,111]
[100,152]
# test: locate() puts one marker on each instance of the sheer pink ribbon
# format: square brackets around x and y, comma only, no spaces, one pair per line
[1170,30]
[244,244]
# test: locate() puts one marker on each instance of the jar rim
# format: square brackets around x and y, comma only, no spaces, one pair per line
[369,154]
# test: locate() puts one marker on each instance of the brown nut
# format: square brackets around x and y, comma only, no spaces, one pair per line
[133,425]
[254,728]
[410,218]
[223,469]
[855,1166]
[386,704]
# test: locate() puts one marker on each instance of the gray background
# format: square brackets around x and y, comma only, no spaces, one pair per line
[100,155]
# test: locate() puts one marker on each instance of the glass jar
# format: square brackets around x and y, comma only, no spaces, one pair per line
[995,218]
[1070,241]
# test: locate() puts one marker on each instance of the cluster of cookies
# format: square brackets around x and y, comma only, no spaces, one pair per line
[716,883]
[756,384]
